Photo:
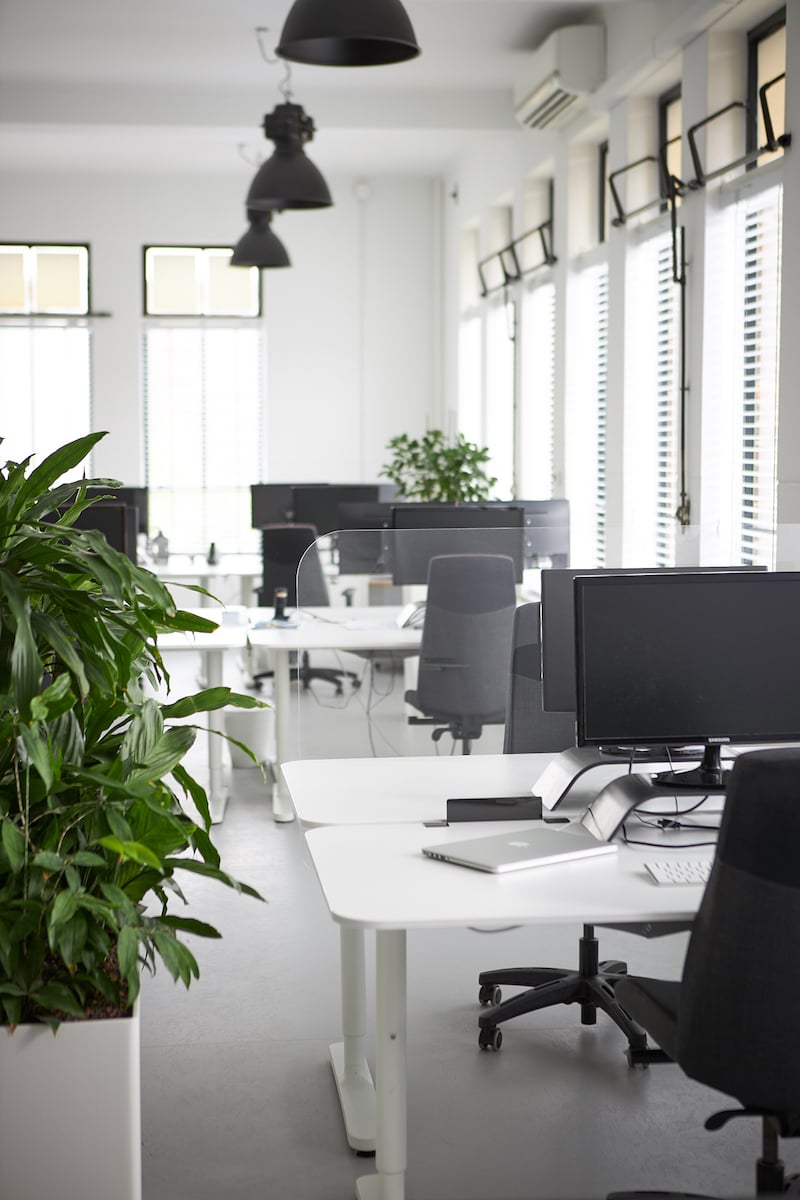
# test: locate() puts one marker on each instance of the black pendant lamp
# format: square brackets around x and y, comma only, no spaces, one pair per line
[347,33]
[259,247]
[288,179]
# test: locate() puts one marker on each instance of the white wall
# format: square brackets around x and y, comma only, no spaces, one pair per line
[352,356]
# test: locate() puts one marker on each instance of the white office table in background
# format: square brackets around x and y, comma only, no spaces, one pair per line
[211,647]
[375,877]
[182,569]
[352,630]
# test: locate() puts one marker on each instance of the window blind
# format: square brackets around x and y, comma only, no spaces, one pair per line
[45,389]
[203,434]
[536,393]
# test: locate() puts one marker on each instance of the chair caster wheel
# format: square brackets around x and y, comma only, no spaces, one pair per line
[489,993]
[490,1039]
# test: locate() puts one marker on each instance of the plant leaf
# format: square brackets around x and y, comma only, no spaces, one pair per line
[14,845]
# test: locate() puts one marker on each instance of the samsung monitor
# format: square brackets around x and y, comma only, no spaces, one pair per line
[558,626]
[675,659]
[420,532]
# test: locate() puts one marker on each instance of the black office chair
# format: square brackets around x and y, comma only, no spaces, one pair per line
[733,1020]
[465,653]
[290,560]
[529,729]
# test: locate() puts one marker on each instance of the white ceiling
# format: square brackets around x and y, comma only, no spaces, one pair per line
[182,84]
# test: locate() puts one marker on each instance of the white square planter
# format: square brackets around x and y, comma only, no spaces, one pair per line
[70,1111]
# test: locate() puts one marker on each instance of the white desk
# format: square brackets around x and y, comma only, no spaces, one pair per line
[374,790]
[374,877]
[354,630]
[360,791]
[383,791]
[182,569]
[212,647]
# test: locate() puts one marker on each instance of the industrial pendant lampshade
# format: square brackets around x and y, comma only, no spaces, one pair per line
[288,179]
[259,247]
[347,33]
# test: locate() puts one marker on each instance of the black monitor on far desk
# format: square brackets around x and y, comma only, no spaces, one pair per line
[316,504]
[420,532]
[131,497]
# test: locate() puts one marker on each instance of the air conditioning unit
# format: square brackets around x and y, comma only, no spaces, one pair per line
[561,75]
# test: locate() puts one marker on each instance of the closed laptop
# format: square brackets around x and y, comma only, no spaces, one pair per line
[513,851]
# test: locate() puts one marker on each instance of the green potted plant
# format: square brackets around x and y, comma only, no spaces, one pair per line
[94,834]
[431,468]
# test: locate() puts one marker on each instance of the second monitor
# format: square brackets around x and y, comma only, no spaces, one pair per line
[420,532]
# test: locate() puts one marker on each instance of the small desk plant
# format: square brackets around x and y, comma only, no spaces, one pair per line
[432,469]
[93,832]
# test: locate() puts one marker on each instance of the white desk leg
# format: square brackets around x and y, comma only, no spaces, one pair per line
[281,804]
[348,1057]
[390,1070]
[217,792]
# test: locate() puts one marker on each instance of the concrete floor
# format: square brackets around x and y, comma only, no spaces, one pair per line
[238,1098]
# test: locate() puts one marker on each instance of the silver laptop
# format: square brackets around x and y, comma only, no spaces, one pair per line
[501,852]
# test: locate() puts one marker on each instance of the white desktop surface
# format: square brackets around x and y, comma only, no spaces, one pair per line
[375,877]
[354,630]
[362,790]
[387,884]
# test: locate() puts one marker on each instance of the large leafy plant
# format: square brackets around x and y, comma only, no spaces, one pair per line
[93,831]
[431,468]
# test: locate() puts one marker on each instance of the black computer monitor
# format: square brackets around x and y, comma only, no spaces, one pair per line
[131,497]
[422,531]
[703,659]
[361,543]
[558,626]
[271,504]
[117,523]
[318,505]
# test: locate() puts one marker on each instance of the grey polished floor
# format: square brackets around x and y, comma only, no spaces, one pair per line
[238,1099]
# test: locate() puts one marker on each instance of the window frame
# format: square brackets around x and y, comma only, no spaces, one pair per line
[52,313]
[197,316]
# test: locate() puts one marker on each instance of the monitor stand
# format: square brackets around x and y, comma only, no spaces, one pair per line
[566,768]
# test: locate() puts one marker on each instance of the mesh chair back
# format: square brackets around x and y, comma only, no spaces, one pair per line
[290,559]
[739,1016]
[465,655]
[529,729]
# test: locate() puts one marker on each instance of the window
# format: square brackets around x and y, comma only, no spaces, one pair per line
[203,386]
[755,448]
[586,417]
[45,357]
[670,116]
[470,342]
[766,61]
[198,281]
[44,280]
[536,393]
[651,466]
[500,344]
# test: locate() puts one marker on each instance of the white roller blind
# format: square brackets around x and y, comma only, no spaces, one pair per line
[203,434]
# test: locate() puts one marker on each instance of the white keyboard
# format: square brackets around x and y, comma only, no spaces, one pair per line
[680,870]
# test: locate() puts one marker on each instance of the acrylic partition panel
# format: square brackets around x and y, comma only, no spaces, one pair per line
[376,585]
